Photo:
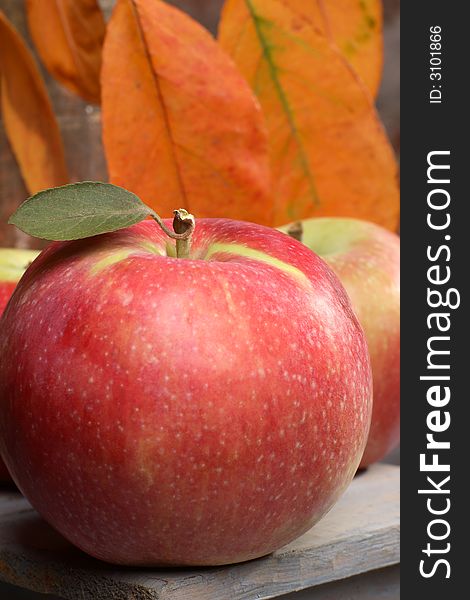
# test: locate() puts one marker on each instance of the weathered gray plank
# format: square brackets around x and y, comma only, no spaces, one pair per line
[360,534]
[12,502]
[383,584]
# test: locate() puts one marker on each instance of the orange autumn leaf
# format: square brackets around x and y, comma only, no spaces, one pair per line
[328,150]
[356,27]
[181,127]
[68,35]
[27,114]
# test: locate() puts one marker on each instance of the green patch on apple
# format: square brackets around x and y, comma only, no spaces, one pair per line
[245,251]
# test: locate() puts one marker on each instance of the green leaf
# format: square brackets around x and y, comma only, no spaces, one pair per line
[79,210]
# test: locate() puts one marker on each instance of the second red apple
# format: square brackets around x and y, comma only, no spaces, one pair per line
[366,259]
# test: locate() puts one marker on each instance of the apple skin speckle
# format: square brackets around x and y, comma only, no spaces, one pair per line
[164,411]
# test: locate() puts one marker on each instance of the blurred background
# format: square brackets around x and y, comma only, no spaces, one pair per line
[80,123]
[80,126]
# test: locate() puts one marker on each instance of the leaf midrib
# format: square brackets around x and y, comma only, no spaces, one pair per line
[166,117]
[71,41]
[91,215]
[283,99]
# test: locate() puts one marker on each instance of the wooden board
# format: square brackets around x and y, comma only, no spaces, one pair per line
[381,584]
[360,534]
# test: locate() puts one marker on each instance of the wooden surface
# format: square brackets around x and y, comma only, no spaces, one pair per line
[360,534]
[381,584]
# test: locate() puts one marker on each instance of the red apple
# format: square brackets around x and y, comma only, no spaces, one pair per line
[366,258]
[13,262]
[200,411]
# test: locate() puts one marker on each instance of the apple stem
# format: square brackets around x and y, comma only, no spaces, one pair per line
[296,231]
[183,225]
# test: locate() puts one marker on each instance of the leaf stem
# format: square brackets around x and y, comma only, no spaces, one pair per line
[183,225]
